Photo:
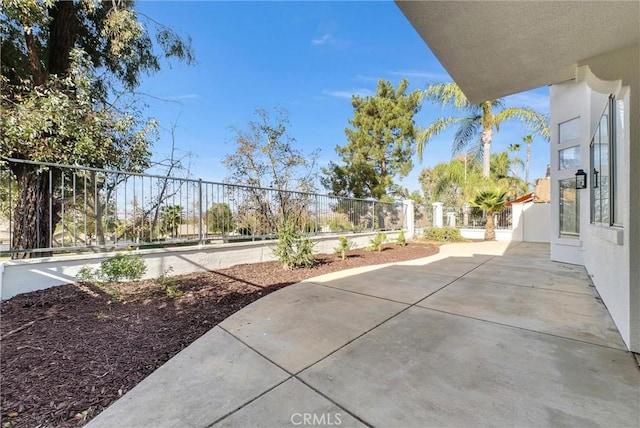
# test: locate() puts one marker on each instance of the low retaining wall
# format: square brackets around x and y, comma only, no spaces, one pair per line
[23,276]
[501,234]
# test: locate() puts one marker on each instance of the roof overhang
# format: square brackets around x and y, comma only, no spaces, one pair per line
[496,48]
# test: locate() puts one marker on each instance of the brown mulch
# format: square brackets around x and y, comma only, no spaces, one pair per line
[69,352]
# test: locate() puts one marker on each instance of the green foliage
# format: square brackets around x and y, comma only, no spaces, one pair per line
[491,201]
[401,240]
[377,242]
[293,250]
[219,218]
[114,269]
[380,144]
[453,182]
[443,234]
[340,223]
[123,266]
[477,122]
[67,95]
[171,217]
[344,245]
[169,283]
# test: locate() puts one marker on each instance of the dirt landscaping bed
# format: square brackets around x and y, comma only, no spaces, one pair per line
[69,352]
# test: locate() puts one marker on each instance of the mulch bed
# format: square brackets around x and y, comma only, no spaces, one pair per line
[69,352]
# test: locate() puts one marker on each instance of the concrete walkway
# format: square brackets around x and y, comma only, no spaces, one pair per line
[478,335]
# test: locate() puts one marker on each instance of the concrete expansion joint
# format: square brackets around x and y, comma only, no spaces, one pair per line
[291,376]
[527,329]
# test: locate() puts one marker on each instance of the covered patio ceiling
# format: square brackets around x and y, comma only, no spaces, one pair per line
[494,48]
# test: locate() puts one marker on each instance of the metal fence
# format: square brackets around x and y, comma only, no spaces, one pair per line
[46,207]
[475,218]
[461,217]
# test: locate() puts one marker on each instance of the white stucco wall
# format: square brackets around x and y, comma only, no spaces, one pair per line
[606,252]
[23,276]
[536,221]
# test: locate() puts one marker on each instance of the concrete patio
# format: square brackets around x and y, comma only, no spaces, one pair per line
[482,334]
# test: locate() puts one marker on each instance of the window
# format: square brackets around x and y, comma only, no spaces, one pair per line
[569,158]
[569,209]
[604,208]
[569,130]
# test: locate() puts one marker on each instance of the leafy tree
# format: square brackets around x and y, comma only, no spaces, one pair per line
[491,201]
[453,182]
[219,218]
[478,121]
[379,145]
[68,71]
[266,157]
[171,217]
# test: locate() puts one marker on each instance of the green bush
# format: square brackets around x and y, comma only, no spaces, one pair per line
[340,224]
[293,249]
[114,269]
[344,245]
[377,242]
[401,240]
[443,234]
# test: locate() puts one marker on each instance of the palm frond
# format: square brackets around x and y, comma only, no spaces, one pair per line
[536,122]
[470,127]
[447,94]
[433,130]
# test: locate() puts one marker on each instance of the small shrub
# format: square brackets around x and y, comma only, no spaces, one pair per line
[344,245]
[114,269]
[169,283]
[293,250]
[443,234]
[340,224]
[401,240]
[123,266]
[377,242]
[173,291]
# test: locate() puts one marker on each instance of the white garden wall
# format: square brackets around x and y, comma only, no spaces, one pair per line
[23,276]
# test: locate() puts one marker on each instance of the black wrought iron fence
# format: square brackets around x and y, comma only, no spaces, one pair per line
[47,207]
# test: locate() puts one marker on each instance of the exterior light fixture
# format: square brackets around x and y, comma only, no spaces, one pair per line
[596,173]
[581,179]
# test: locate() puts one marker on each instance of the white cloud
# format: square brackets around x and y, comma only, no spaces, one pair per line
[322,40]
[363,92]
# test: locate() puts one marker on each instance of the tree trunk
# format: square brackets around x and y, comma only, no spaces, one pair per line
[486,151]
[489,228]
[35,214]
[528,160]
[62,36]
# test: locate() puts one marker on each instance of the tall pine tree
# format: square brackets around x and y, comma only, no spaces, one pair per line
[379,145]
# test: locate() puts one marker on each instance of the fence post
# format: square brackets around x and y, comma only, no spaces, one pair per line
[317,219]
[373,217]
[437,214]
[409,217]
[200,219]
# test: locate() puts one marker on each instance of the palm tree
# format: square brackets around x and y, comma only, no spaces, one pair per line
[171,218]
[527,140]
[515,148]
[490,201]
[478,120]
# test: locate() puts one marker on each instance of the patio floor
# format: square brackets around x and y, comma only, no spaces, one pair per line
[482,334]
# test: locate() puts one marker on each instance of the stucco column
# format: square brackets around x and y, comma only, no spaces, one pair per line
[437,214]
[409,218]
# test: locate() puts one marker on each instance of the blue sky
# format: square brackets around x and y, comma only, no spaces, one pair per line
[305,57]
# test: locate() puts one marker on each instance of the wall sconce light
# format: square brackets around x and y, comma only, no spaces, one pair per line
[581,179]
[596,173]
